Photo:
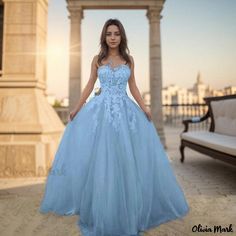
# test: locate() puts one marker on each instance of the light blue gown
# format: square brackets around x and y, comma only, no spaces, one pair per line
[110,167]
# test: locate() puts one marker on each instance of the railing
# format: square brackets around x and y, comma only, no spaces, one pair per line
[62,113]
[172,114]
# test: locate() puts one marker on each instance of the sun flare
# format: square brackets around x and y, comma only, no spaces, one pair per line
[56,52]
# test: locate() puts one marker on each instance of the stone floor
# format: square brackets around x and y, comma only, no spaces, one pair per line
[209,186]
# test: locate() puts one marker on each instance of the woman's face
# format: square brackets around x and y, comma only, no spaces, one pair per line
[113,37]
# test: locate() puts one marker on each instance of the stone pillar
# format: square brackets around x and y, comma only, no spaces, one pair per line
[76,15]
[154,17]
[29,127]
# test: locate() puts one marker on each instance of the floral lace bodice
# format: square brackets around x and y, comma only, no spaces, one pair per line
[114,80]
[113,95]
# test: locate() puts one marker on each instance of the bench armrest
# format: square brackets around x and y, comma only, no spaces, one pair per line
[196,119]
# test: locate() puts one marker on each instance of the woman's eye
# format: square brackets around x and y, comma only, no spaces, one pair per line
[115,34]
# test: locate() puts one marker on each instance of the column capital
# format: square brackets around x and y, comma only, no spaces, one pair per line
[75,13]
[154,14]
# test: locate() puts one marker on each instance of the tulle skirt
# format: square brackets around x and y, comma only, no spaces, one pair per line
[112,170]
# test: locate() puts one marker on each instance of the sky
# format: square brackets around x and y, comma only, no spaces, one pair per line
[196,36]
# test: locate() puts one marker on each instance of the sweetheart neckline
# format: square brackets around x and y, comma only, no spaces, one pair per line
[113,68]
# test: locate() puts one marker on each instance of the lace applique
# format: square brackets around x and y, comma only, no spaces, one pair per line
[112,96]
[131,117]
[95,105]
[113,106]
[112,112]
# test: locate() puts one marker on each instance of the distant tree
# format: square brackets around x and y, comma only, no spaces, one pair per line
[57,103]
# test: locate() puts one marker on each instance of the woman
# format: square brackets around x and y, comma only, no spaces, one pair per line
[111,168]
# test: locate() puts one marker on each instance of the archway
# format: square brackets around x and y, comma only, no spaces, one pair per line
[154,9]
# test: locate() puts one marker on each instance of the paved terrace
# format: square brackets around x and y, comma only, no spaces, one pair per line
[209,186]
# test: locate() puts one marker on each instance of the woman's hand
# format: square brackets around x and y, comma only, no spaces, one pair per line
[147,112]
[72,114]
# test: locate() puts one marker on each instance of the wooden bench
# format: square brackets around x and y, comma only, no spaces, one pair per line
[220,141]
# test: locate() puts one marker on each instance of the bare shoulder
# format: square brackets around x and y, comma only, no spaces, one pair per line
[95,61]
[95,57]
[131,60]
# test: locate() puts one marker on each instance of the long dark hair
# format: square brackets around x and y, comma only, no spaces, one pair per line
[123,48]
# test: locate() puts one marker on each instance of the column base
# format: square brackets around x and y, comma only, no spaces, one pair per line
[27,158]
[30,132]
[161,134]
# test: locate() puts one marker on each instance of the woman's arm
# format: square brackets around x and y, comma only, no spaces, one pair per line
[134,89]
[89,86]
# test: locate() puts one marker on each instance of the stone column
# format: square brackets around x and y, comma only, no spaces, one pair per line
[30,129]
[76,15]
[154,17]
